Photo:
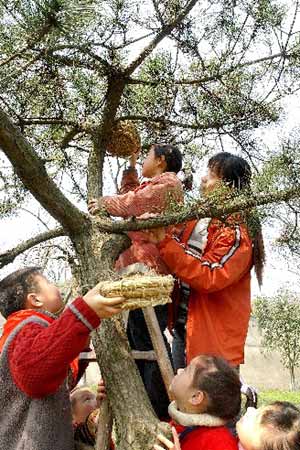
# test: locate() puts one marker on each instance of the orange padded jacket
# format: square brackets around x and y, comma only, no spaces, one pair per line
[219,303]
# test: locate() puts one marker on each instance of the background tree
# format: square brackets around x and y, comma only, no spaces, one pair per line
[202,75]
[278,318]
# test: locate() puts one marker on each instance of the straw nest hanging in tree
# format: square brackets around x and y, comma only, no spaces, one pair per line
[124,140]
[140,291]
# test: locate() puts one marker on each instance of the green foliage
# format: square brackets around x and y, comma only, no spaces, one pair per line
[278,319]
[203,87]
[267,397]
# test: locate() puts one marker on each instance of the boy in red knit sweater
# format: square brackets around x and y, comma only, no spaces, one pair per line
[38,353]
[207,396]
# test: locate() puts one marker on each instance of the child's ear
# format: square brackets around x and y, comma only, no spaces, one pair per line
[197,398]
[162,162]
[32,301]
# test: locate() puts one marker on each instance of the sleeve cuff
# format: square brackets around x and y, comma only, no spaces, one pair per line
[84,313]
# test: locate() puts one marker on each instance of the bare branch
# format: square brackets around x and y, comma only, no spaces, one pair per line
[36,216]
[46,121]
[77,126]
[200,210]
[9,256]
[165,31]
[132,41]
[31,171]
[69,136]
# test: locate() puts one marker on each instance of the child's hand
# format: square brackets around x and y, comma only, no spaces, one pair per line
[104,307]
[167,444]
[95,206]
[133,158]
[101,392]
[156,235]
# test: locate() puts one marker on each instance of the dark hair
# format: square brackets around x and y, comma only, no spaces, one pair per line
[282,423]
[233,169]
[221,382]
[14,289]
[236,172]
[172,155]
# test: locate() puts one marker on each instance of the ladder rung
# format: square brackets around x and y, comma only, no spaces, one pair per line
[137,354]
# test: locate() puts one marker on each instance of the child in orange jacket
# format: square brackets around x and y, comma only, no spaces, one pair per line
[215,277]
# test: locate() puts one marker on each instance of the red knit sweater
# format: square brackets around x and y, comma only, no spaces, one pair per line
[206,438]
[39,357]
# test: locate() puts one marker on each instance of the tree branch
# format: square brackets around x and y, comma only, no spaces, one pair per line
[165,31]
[78,127]
[72,62]
[9,256]
[31,171]
[200,210]
[46,121]
[191,126]
[84,50]
[50,22]
[215,77]
[113,96]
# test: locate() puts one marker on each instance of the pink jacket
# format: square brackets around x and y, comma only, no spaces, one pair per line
[153,196]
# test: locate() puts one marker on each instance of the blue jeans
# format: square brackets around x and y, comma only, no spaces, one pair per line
[178,349]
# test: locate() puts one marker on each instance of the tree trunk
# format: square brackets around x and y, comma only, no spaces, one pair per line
[292,378]
[135,422]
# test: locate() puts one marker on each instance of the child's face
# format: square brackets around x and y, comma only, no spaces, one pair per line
[48,294]
[153,165]
[249,428]
[210,181]
[86,402]
[182,386]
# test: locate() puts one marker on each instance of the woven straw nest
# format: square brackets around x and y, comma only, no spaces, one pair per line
[125,139]
[140,291]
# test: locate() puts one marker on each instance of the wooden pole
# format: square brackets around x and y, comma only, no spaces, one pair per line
[159,346]
[103,437]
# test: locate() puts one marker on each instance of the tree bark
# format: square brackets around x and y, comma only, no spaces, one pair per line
[292,378]
[135,422]
[32,172]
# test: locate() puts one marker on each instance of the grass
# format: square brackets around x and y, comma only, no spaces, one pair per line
[266,397]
